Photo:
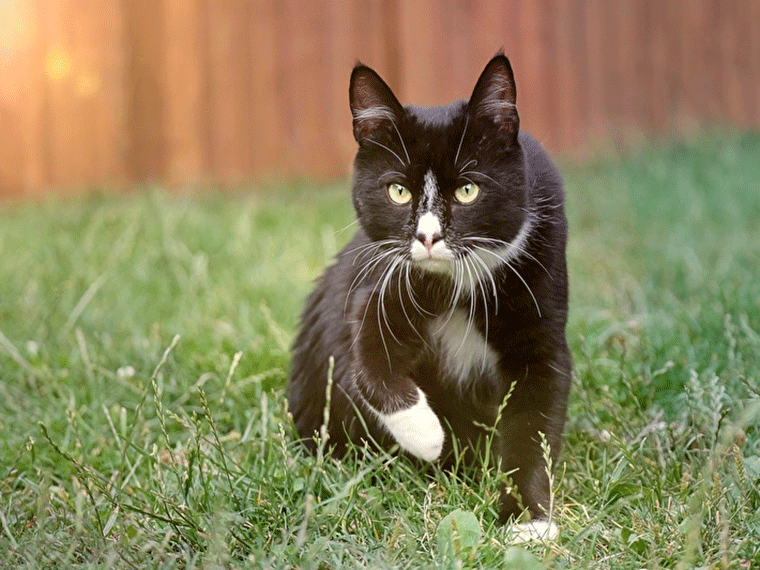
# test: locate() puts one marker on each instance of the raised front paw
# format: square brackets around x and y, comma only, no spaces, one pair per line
[536,530]
[417,429]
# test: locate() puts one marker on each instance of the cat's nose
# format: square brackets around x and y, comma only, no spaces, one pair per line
[428,239]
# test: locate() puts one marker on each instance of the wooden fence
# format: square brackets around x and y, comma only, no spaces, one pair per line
[116,92]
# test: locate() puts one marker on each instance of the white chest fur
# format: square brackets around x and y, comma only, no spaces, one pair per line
[463,351]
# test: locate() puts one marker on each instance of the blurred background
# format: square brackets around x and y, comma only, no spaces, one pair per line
[115,93]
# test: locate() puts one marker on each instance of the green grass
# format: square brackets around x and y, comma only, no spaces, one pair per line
[144,350]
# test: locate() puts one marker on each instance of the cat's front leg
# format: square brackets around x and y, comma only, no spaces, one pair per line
[386,349]
[416,429]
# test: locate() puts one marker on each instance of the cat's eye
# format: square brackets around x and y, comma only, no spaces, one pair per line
[399,194]
[467,193]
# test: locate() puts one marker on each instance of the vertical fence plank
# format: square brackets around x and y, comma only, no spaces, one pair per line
[733,43]
[63,142]
[459,50]
[307,60]
[535,75]
[657,59]
[187,140]
[146,91]
[752,86]
[595,48]
[343,55]
[568,79]
[422,37]
[229,83]
[265,110]
[20,101]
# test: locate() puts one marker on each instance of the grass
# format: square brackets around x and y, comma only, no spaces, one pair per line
[144,349]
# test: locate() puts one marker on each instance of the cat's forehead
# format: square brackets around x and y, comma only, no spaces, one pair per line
[442,116]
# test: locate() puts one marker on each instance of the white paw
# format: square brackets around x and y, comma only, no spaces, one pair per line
[416,429]
[534,530]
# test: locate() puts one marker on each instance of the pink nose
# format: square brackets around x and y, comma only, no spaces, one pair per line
[429,239]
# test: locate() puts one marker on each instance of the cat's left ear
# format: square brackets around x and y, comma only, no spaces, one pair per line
[373,104]
[495,95]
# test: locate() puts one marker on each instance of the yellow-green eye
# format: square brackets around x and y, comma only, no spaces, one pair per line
[467,193]
[399,194]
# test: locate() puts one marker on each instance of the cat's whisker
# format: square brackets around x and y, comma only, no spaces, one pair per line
[471,162]
[483,175]
[366,309]
[369,246]
[403,146]
[368,268]
[486,310]
[509,246]
[514,270]
[461,140]
[381,145]
[520,277]
[381,311]
[364,272]
[488,275]
[455,294]
[352,224]
[410,293]
[471,311]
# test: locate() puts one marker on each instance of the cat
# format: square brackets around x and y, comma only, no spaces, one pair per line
[446,312]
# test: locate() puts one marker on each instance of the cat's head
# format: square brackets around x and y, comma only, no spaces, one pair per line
[444,187]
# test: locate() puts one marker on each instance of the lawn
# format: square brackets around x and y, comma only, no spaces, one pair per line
[144,350]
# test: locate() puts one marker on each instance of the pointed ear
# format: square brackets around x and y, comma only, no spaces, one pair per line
[495,95]
[373,104]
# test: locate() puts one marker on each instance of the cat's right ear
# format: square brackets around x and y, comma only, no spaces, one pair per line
[495,95]
[373,104]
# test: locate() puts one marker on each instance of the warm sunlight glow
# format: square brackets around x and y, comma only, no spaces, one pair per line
[16,27]
[57,64]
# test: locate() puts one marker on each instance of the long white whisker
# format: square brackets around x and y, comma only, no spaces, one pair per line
[366,270]
[419,308]
[381,145]
[471,312]
[535,302]
[467,165]
[520,277]
[509,245]
[373,244]
[459,148]
[455,293]
[483,175]
[482,288]
[410,293]
[487,274]
[401,139]
[381,310]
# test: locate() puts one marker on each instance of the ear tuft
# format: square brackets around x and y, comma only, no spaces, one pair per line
[373,104]
[495,96]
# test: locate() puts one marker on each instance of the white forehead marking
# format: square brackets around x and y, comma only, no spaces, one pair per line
[429,224]
[430,189]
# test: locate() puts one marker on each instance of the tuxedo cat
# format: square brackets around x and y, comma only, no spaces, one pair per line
[452,296]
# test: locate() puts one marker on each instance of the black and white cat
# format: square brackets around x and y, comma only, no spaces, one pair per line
[452,294]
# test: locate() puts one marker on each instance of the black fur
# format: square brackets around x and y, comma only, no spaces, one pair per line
[372,309]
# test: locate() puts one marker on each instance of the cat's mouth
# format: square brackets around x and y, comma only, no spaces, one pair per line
[436,258]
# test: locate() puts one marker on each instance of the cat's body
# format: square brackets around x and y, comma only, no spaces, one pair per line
[452,293]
